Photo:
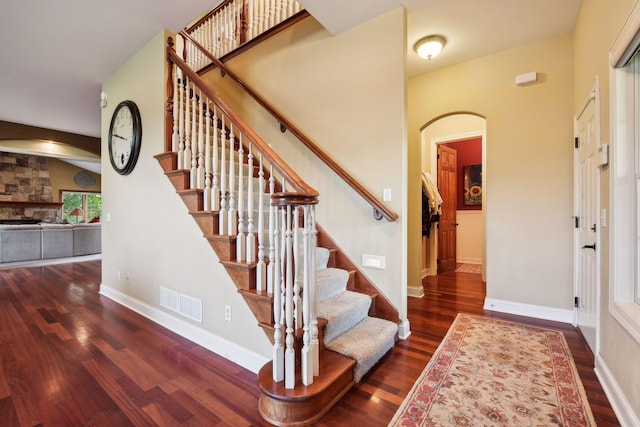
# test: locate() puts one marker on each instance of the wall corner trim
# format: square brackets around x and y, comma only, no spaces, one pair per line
[529,310]
[219,345]
[619,403]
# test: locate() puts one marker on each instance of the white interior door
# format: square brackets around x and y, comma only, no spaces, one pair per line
[587,196]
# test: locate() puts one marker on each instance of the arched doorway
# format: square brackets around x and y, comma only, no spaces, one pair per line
[453,129]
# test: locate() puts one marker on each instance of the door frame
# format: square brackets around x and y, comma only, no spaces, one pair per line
[593,95]
[433,148]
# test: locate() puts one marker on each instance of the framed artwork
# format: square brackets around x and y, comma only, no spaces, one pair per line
[472,180]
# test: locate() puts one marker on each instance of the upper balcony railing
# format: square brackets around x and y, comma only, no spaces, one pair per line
[235,23]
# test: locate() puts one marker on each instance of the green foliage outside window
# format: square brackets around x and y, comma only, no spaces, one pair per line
[89,203]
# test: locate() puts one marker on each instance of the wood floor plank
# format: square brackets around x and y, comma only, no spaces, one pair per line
[74,358]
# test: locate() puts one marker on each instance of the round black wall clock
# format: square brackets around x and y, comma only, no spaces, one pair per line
[125,136]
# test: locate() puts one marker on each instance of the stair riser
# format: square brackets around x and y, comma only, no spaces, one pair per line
[295,413]
[261,308]
[223,246]
[179,180]
[243,276]
[208,222]
[168,161]
[193,201]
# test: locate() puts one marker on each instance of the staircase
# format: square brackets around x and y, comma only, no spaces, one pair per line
[327,322]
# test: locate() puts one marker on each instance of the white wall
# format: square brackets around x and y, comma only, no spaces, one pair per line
[470,237]
[150,237]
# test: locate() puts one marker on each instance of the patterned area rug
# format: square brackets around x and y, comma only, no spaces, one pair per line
[469,268]
[489,372]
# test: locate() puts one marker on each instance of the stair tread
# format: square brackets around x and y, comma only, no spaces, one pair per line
[331,281]
[343,312]
[366,342]
[332,365]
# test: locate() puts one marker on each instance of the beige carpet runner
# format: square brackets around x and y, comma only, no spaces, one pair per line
[489,372]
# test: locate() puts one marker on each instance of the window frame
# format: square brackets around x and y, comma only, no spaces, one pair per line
[84,201]
[624,182]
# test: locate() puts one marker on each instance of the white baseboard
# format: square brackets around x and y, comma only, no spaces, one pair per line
[529,310]
[404,329]
[221,346]
[619,403]
[415,292]
[465,260]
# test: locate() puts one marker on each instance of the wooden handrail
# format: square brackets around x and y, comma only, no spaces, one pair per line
[293,180]
[379,209]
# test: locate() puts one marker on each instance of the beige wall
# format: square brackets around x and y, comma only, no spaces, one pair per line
[528,163]
[598,25]
[347,92]
[150,237]
[62,174]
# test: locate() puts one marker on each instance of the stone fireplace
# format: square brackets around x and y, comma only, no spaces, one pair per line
[26,195]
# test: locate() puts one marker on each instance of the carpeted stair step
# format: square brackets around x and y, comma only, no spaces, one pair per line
[322,257]
[366,342]
[343,312]
[331,282]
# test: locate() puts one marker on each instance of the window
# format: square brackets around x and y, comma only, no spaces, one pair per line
[81,207]
[625,178]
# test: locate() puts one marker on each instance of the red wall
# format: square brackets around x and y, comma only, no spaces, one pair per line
[469,153]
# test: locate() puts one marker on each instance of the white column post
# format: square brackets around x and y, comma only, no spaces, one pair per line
[222,215]
[251,232]
[261,280]
[278,349]
[240,240]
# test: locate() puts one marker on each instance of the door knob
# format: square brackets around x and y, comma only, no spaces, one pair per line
[590,247]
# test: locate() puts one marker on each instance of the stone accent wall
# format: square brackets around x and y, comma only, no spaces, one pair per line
[25,178]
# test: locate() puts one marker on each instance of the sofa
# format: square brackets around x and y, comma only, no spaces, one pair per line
[28,242]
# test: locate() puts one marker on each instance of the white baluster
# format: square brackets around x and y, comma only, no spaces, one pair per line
[175,137]
[306,353]
[261,280]
[181,145]
[187,126]
[250,10]
[240,240]
[313,293]
[278,349]
[263,17]
[297,268]
[194,139]
[289,353]
[251,232]
[223,219]
[277,6]
[271,283]
[215,182]
[233,213]
[272,13]
[200,171]
[207,159]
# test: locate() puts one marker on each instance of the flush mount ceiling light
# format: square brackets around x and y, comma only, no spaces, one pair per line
[430,46]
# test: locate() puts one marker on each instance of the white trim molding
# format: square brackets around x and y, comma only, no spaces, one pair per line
[221,346]
[415,292]
[529,310]
[404,329]
[619,403]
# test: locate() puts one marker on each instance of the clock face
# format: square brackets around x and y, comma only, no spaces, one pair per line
[125,132]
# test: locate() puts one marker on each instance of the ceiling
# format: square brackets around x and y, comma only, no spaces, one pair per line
[57,53]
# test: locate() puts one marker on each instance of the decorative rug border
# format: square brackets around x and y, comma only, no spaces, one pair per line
[563,368]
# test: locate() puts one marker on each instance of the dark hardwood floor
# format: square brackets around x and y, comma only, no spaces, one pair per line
[69,357]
